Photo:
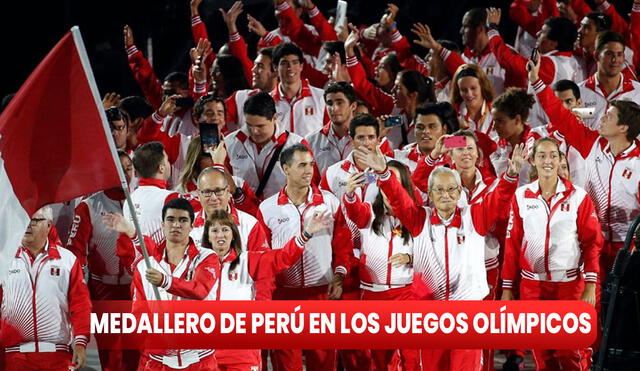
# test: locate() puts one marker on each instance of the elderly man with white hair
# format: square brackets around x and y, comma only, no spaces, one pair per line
[448,241]
[45,303]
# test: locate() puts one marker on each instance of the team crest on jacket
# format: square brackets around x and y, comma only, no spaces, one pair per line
[460,239]
[233,276]
[627,173]
[308,111]
[564,206]
[55,270]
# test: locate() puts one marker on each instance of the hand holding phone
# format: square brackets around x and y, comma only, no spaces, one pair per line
[457,141]
[534,57]
[391,121]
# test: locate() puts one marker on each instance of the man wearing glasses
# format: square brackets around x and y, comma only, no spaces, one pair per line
[213,193]
[300,107]
[58,321]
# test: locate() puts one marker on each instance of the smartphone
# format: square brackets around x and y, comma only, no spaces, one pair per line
[585,112]
[185,102]
[370,177]
[209,135]
[534,54]
[392,121]
[457,141]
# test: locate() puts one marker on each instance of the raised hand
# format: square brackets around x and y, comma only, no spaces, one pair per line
[493,15]
[372,159]
[128,37]
[533,67]
[352,40]
[255,26]
[439,149]
[355,181]
[218,154]
[117,222]
[194,4]
[168,107]
[517,161]
[198,55]
[231,16]
[110,100]
[390,17]
[319,221]
[425,39]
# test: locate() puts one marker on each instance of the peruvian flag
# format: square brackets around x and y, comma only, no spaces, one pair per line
[55,144]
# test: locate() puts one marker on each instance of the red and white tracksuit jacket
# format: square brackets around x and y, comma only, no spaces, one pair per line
[554,65]
[484,124]
[381,102]
[93,243]
[234,107]
[409,155]
[191,279]
[305,113]
[549,240]
[529,23]
[241,284]
[335,179]
[500,158]
[446,251]
[249,161]
[488,61]
[284,220]
[613,182]
[308,38]
[148,200]
[327,147]
[376,272]
[592,95]
[45,302]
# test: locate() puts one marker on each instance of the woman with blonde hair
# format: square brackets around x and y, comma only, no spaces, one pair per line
[471,95]
[195,161]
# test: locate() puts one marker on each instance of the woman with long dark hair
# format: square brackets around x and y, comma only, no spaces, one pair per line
[386,272]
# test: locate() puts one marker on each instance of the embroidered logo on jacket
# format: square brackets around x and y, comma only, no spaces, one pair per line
[233,276]
[308,111]
[55,270]
[627,173]
[564,206]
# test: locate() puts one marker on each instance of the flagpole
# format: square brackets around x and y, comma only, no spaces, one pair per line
[84,59]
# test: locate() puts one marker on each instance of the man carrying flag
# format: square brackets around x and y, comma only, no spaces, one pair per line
[49,156]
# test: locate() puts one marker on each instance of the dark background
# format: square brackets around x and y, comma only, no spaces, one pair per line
[31,29]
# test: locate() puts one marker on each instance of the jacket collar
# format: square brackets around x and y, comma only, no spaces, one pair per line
[153,182]
[50,249]
[278,95]
[593,84]
[314,197]
[191,251]
[564,187]
[456,220]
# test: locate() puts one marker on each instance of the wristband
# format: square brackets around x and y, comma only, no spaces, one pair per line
[307,235]
[492,26]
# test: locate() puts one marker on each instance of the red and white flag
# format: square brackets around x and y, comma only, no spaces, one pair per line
[54,142]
